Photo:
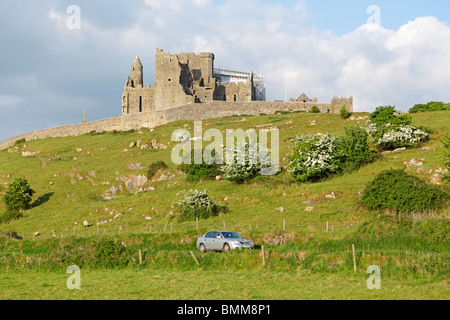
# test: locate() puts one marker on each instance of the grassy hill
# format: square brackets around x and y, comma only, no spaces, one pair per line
[71,175]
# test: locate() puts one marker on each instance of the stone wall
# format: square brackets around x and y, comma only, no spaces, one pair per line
[194,111]
[218,109]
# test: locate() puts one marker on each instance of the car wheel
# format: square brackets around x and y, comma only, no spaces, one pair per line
[226,247]
[202,248]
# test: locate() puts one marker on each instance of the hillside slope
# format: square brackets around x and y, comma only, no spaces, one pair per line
[71,175]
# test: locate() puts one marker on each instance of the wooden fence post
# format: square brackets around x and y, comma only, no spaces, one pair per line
[354,258]
[196,222]
[140,256]
[195,258]
[263,254]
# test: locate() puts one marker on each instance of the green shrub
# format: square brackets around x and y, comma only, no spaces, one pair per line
[399,192]
[10,215]
[121,132]
[387,114]
[154,167]
[184,167]
[18,196]
[198,204]
[20,141]
[315,109]
[430,106]
[353,148]
[343,112]
[110,254]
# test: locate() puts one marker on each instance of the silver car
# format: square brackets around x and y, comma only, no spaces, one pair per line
[223,241]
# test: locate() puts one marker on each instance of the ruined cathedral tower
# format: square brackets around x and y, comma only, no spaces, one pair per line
[137,75]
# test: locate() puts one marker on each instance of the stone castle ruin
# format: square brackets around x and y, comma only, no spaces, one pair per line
[187,78]
[187,87]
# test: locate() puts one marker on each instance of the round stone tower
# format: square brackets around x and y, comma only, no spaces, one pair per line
[137,73]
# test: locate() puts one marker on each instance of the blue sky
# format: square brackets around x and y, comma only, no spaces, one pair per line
[343,16]
[50,73]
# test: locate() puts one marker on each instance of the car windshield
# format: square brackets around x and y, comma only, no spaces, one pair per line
[231,235]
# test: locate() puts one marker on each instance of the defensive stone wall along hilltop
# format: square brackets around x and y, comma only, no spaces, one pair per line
[193,111]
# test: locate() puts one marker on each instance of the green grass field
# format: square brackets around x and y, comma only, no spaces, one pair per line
[211,285]
[315,264]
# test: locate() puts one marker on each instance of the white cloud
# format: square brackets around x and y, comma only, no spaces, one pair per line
[403,67]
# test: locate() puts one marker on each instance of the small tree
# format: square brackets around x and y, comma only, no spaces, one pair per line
[315,109]
[18,196]
[198,204]
[343,112]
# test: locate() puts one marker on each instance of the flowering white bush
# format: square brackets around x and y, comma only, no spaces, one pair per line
[251,166]
[314,157]
[403,136]
[398,113]
[180,136]
[391,129]
[388,136]
[195,199]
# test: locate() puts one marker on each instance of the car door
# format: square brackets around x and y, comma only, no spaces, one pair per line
[207,240]
[216,241]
